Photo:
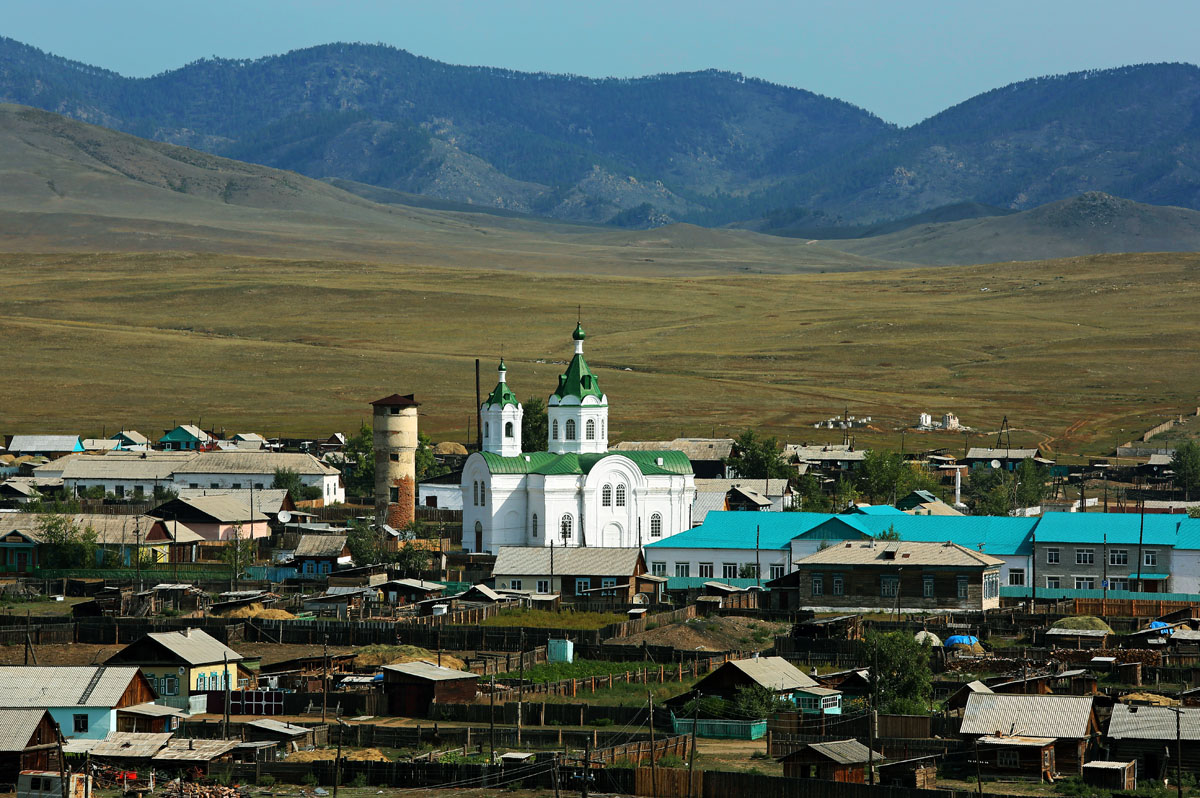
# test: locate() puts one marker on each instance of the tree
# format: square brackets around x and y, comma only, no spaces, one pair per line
[901,679]
[809,497]
[754,701]
[887,476]
[990,491]
[239,553]
[1194,512]
[844,494]
[358,464]
[888,534]
[758,458]
[1031,488]
[289,480]
[426,464]
[365,543]
[1186,465]
[66,544]
[535,427]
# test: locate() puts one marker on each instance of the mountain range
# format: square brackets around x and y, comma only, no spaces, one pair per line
[711,148]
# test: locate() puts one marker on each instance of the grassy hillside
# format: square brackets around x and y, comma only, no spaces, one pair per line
[1089,224]
[1077,353]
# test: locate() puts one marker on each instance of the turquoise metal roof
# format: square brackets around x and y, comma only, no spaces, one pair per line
[698,582]
[733,529]
[1121,528]
[1007,591]
[1188,536]
[548,463]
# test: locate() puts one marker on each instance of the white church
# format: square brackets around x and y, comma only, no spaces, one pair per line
[577,493]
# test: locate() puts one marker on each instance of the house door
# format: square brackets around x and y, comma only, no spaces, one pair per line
[22,560]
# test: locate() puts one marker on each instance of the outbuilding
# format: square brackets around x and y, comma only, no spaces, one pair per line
[413,688]
[843,760]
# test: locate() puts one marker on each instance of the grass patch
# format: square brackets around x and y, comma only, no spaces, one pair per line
[1081,622]
[544,619]
[579,669]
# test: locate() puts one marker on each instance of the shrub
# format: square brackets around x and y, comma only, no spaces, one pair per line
[308,780]
[358,781]
[602,722]
[266,780]
[671,761]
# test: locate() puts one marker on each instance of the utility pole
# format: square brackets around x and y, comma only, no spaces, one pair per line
[587,766]
[554,773]
[1178,746]
[692,758]
[653,767]
[757,561]
[225,678]
[521,684]
[478,410]
[871,723]
[492,725]
[324,678]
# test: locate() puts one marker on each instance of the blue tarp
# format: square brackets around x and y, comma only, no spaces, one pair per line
[961,640]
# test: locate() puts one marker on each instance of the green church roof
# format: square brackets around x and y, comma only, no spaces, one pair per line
[578,381]
[502,395]
[549,464]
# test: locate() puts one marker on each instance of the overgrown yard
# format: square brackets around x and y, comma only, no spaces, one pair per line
[545,619]
[719,633]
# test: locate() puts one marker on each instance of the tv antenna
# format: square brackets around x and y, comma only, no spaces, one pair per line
[1004,435]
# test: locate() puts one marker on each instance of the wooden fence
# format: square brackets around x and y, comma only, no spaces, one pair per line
[662,674]
[640,751]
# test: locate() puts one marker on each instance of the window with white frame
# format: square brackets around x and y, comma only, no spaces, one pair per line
[889,586]
[1052,556]
[606,496]
[582,585]
[1150,560]
[1085,583]
[839,585]
[655,525]
[1016,576]
[566,526]
[508,429]
[1118,583]
[554,428]
[570,429]
[683,569]
[608,582]
[729,570]
[818,584]
[658,569]
[776,571]
[543,585]
[514,584]
[1118,556]
[964,585]
[706,570]
[620,495]
[927,587]
[991,585]
[1053,582]
[1085,556]
[589,429]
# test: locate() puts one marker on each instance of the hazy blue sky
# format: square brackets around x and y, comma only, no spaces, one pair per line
[902,59]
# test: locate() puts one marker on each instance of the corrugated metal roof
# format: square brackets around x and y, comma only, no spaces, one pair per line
[133,437]
[64,686]
[846,752]
[1018,741]
[772,488]
[195,646]
[133,466]
[1065,716]
[130,745]
[279,727]
[694,448]
[268,500]
[773,673]
[729,529]
[153,711]
[981,453]
[569,561]
[874,509]
[320,546]
[224,509]
[100,444]
[1121,528]
[254,463]
[705,503]
[427,670]
[548,463]
[44,443]
[17,727]
[899,554]
[1152,723]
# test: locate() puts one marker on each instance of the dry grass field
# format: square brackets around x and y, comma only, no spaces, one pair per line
[1077,352]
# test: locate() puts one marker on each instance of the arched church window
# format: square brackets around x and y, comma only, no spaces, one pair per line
[570,431]
[656,526]
[555,433]
[475,494]
[487,430]
[482,495]
[606,496]
[508,429]
[604,429]
[566,526]
[590,429]
[533,527]
[620,495]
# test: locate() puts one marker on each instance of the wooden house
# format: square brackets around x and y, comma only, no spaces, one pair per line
[148,718]
[412,688]
[590,573]
[1015,757]
[1068,719]
[321,554]
[26,742]
[1147,734]
[181,663]
[409,591]
[772,673]
[843,760]
[82,700]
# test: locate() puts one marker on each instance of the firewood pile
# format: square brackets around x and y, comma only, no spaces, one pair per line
[191,790]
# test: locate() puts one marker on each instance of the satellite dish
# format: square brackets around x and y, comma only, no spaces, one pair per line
[641,598]
[995,464]
[284,516]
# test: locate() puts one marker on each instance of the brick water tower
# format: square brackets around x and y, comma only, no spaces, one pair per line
[394,425]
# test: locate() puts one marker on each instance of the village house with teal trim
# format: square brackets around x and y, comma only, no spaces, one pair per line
[577,492]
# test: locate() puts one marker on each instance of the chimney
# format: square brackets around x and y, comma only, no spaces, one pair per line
[187,632]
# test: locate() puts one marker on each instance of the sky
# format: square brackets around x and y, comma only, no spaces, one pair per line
[903,60]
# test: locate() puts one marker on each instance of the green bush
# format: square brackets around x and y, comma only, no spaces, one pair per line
[602,722]
[308,780]
[265,780]
[671,761]
[358,781]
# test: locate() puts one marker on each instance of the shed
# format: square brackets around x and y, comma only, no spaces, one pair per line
[413,687]
[774,673]
[24,735]
[1147,734]
[843,760]
[287,736]
[199,754]
[1016,756]
[149,718]
[1111,775]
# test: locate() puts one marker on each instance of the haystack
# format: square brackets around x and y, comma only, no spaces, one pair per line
[1081,622]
